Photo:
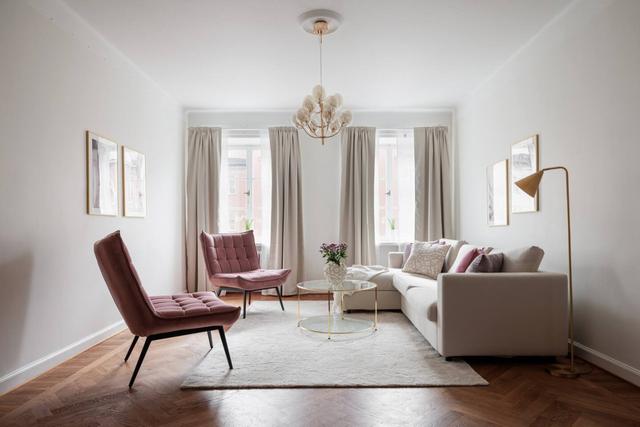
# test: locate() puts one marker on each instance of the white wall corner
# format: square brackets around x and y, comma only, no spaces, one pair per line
[609,364]
[66,18]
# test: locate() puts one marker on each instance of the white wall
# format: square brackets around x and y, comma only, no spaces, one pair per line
[58,79]
[577,85]
[320,166]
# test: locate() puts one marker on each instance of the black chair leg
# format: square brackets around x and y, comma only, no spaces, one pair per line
[244,305]
[218,292]
[250,293]
[210,339]
[140,359]
[133,344]
[224,344]
[280,297]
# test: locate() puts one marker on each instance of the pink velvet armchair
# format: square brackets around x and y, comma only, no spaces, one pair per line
[232,263]
[158,317]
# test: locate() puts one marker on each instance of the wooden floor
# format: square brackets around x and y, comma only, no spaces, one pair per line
[91,389]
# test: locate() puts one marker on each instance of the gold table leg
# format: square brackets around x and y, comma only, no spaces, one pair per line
[329,316]
[375,309]
[298,307]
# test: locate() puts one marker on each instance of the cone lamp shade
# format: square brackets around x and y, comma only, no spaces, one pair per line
[529,184]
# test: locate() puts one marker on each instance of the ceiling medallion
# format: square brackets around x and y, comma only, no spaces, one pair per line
[321,116]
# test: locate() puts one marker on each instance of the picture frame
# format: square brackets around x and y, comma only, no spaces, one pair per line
[524,160]
[498,193]
[102,175]
[134,183]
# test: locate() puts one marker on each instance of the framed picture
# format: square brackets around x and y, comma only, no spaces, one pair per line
[134,183]
[498,193]
[524,162]
[102,175]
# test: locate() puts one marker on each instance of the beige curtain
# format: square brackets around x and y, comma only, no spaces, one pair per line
[286,205]
[357,225]
[203,173]
[433,183]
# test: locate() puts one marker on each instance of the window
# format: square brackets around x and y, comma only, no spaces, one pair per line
[394,186]
[245,187]
[233,186]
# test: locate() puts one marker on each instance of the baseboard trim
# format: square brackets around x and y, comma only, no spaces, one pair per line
[31,370]
[609,364]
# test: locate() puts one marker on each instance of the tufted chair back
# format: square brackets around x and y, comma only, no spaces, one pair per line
[229,253]
[124,284]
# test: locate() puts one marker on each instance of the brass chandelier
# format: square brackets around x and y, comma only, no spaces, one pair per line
[321,116]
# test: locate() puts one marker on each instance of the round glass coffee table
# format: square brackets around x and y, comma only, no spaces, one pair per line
[335,322]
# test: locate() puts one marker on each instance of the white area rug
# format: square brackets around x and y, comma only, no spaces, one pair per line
[268,350]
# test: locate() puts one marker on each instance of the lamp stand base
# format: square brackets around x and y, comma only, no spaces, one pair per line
[564,370]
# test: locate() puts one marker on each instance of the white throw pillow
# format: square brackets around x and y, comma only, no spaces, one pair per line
[463,251]
[426,259]
[453,252]
[522,260]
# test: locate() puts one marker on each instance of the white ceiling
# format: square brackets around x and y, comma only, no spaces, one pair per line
[252,54]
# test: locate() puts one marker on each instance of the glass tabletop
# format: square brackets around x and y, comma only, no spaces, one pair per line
[347,286]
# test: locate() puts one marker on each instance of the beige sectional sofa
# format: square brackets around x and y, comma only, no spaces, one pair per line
[477,314]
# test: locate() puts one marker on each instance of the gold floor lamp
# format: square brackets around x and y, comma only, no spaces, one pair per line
[530,186]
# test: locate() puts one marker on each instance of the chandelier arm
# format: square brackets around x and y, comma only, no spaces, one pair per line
[308,132]
[312,135]
[311,119]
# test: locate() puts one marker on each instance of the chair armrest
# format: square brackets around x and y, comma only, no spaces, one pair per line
[502,314]
[395,259]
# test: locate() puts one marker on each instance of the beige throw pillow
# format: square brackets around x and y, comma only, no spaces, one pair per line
[426,259]
[522,260]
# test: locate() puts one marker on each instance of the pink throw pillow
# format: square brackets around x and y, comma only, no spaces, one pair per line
[468,258]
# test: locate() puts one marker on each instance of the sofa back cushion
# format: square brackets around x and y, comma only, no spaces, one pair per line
[407,253]
[464,250]
[426,259]
[486,263]
[522,260]
[453,252]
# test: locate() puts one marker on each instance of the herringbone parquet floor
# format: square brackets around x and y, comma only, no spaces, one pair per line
[91,389]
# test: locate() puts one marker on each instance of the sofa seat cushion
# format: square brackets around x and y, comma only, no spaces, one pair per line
[189,305]
[424,299]
[251,280]
[384,281]
[404,281]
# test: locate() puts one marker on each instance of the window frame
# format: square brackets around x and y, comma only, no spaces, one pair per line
[390,150]
[259,135]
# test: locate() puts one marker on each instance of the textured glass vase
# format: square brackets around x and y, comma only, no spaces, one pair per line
[335,273]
